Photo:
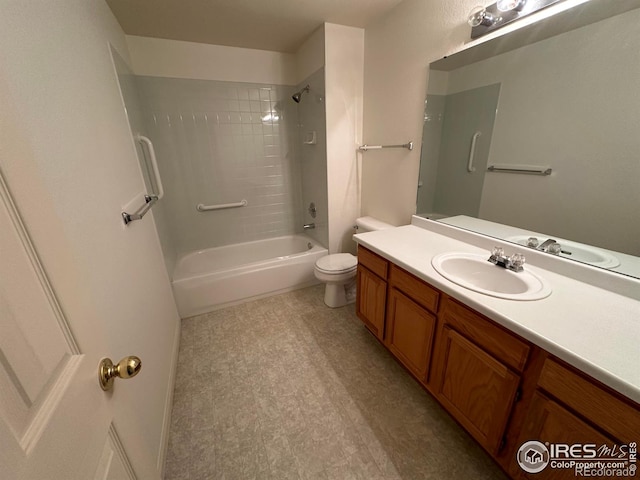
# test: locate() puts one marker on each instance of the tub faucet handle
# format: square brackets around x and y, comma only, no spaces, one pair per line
[313,211]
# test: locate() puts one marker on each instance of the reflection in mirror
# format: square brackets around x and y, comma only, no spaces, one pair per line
[559,119]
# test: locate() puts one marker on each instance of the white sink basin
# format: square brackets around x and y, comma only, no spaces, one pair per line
[474,272]
[577,251]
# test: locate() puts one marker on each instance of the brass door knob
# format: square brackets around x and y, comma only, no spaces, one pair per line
[126,368]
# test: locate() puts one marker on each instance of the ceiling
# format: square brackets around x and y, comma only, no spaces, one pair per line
[278,25]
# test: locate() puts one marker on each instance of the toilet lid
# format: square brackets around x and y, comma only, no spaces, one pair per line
[337,263]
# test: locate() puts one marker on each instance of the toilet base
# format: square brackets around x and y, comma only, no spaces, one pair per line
[339,295]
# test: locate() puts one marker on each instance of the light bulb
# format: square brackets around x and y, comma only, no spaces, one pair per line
[480,16]
[508,5]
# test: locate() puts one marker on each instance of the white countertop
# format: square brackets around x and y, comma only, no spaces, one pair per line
[592,328]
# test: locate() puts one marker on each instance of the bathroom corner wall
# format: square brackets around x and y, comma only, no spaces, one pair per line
[344,70]
[340,50]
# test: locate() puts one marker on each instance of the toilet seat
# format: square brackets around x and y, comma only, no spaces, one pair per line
[337,264]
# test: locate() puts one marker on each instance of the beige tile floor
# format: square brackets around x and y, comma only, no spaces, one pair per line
[286,388]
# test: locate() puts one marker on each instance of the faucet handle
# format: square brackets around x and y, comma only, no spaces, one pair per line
[517,259]
[497,252]
[555,248]
[516,262]
[532,242]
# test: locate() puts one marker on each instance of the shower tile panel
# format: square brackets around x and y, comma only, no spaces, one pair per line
[221,142]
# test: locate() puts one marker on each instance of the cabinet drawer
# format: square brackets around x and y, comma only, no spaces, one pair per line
[498,342]
[413,287]
[620,419]
[373,262]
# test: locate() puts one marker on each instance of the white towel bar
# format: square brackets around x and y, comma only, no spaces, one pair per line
[526,169]
[364,148]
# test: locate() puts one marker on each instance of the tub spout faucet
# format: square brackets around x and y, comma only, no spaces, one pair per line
[309,226]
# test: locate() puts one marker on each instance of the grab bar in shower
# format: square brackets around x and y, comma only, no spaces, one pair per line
[154,163]
[205,208]
[472,152]
[526,169]
[149,201]
[364,148]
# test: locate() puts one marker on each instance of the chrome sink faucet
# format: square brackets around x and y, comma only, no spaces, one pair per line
[514,263]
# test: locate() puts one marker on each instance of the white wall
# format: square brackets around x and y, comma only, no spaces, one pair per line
[310,56]
[71,164]
[344,67]
[171,58]
[398,50]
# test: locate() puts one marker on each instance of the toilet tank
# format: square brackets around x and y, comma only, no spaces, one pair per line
[370,224]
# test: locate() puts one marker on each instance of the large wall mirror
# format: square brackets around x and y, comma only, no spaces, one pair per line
[537,134]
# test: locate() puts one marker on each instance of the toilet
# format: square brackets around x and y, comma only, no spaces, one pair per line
[338,270]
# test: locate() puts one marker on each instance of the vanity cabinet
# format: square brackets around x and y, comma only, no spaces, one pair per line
[570,408]
[477,372]
[502,389]
[371,293]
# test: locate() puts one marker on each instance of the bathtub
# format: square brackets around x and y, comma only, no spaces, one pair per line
[206,280]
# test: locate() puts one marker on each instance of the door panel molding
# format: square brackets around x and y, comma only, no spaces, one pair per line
[35,372]
[27,244]
[51,400]
[114,463]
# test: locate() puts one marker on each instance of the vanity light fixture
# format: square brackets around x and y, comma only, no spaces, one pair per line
[484,20]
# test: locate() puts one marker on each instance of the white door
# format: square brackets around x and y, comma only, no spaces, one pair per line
[67,156]
[55,420]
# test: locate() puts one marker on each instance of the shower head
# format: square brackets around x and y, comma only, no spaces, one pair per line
[298,95]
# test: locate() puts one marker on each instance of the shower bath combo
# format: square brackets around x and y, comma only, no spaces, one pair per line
[239,250]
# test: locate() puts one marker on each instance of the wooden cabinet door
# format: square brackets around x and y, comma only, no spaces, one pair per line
[475,388]
[371,300]
[409,333]
[547,421]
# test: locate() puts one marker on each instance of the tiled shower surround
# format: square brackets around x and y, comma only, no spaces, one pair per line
[221,142]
